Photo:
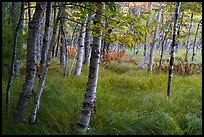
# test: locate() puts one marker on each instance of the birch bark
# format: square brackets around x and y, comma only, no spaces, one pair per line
[26,91]
[90,95]
[151,59]
[171,63]
[80,50]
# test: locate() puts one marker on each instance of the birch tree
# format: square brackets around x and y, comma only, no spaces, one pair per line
[80,49]
[33,116]
[26,91]
[46,38]
[88,40]
[90,95]
[13,60]
[62,49]
[166,31]
[194,44]
[147,25]
[171,63]
[188,40]
[151,59]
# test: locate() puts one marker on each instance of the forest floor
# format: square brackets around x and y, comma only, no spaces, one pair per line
[129,101]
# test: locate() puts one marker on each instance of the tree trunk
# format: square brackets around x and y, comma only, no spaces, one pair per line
[151,59]
[40,40]
[178,32]
[194,44]
[29,14]
[66,48]
[80,50]
[188,40]
[62,49]
[147,25]
[58,42]
[163,41]
[13,61]
[88,41]
[46,38]
[30,64]
[90,95]
[171,63]
[33,116]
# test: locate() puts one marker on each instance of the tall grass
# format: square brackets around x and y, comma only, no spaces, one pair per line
[129,101]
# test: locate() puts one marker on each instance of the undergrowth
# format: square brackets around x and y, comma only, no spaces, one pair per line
[129,101]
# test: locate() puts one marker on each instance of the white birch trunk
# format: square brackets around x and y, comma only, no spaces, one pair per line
[151,59]
[26,91]
[194,44]
[188,40]
[171,63]
[90,95]
[33,116]
[88,41]
[80,50]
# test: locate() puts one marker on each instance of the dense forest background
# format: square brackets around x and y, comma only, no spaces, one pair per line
[105,68]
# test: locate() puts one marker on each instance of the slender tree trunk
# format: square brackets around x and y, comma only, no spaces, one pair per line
[58,43]
[161,55]
[151,60]
[171,63]
[13,61]
[66,48]
[178,32]
[46,39]
[80,50]
[30,64]
[88,41]
[163,41]
[33,116]
[188,40]
[62,49]
[147,25]
[90,95]
[194,44]
[40,39]
[53,49]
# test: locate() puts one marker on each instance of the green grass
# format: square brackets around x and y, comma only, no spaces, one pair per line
[129,101]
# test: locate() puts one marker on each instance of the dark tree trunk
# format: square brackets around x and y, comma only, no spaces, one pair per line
[13,61]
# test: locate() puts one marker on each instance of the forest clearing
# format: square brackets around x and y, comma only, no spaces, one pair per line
[102,68]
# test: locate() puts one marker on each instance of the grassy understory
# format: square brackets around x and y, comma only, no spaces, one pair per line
[129,101]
